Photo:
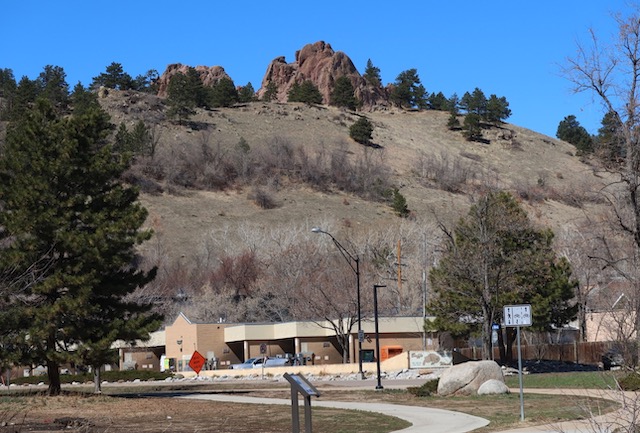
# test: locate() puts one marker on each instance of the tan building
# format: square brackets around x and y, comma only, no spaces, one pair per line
[223,344]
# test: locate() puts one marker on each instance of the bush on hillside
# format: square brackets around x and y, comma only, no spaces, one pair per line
[361,131]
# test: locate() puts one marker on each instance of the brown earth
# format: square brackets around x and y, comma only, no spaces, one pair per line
[558,188]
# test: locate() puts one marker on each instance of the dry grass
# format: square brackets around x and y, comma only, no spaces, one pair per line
[521,164]
[98,414]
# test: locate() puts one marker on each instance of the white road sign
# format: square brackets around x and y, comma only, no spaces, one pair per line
[517,315]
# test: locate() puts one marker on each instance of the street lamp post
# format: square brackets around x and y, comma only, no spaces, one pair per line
[375,316]
[350,259]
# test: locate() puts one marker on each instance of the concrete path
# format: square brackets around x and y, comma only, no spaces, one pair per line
[423,419]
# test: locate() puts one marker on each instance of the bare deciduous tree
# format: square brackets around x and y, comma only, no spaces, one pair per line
[610,70]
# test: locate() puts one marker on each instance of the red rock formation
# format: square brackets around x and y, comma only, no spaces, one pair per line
[208,75]
[322,65]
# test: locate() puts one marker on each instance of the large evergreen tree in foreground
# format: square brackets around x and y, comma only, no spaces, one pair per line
[495,257]
[68,228]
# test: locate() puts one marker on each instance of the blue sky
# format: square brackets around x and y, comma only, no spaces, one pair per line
[509,48]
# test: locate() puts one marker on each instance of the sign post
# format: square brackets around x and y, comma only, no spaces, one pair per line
[300,385]
[518,316]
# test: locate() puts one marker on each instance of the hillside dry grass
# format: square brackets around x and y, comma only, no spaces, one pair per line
[421,154]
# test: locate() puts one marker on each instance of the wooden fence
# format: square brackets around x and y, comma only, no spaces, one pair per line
[580,353]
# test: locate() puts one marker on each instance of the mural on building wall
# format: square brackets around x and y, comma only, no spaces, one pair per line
[429,359]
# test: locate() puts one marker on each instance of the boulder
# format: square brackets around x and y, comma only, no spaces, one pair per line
[466,378]
[493,386]
[320,64]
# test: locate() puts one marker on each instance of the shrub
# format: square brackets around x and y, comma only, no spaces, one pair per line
[262,198]
[631,382]
[361,131]
[428,389]
[399,204]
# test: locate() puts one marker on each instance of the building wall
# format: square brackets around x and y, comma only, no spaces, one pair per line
[246,341]
[184,337]
[141,358]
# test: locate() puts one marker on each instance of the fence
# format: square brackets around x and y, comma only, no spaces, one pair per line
[580,353]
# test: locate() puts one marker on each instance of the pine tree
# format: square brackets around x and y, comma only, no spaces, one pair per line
[306,92]
[408,92]
[224,93]
[372,74]
[361,131]
[180,98]
[399,204]
[73,228]
[247,93]
[495,257]
[471,127]
[570,130]
[271,92]
[343,94]
[53,86]
[114,77]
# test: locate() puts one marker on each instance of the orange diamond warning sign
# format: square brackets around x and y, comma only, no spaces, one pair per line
[197,362]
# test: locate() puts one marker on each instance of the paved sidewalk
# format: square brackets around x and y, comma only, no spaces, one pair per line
[423,419]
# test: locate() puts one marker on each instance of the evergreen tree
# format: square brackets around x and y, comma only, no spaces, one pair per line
[8,88]
[148,82]
[113,78]
[224,93]
[26,94]
[247,93]
[83,100]
[361,131]
[180,97]
[271,92]
[497,109]
[407,91]
[306,92]
[438,102]
[570,130]
[372,74]
[471,127]
[495,257]
[453,122]
[73,228]
[53,86]
[474,102]
[196,90]
[399,204]
[343,94]
[609,143]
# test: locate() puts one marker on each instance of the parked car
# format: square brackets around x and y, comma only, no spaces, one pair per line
[249,363]
[257,363]
[272,362]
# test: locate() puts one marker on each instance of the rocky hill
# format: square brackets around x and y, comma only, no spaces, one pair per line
[256,177]
[437,170]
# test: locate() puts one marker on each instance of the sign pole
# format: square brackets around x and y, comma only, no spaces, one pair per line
[520,375]
[518,316]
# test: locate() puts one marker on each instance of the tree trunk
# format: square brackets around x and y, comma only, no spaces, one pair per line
[53,372]
[503,352]
[97,385]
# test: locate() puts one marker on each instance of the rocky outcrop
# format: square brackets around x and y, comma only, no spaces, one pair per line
[466,378]
[209,75]
[322,65]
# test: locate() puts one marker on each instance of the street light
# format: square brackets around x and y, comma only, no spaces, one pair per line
[350,259]
[375,315]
